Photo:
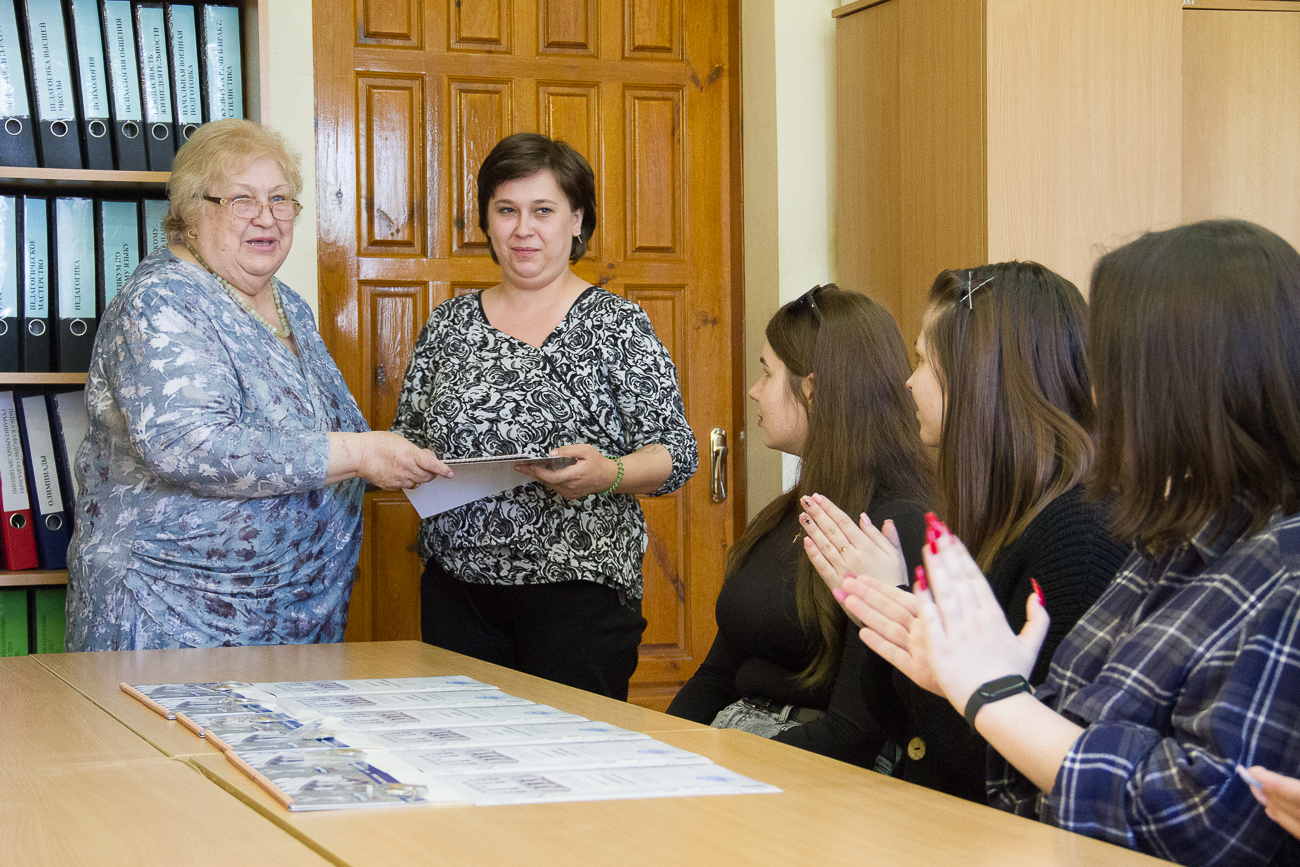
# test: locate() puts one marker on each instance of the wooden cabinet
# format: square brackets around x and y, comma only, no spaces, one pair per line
[973,131]
[24,181]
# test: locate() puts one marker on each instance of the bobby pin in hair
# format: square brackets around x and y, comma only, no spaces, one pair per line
[970,290]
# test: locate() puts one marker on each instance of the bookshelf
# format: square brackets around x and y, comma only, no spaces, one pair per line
[52,182]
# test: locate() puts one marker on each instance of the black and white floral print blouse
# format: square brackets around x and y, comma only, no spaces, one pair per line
[601,377]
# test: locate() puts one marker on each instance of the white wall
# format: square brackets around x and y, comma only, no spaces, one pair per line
[788,102]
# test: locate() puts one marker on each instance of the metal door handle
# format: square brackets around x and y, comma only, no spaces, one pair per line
[718,464]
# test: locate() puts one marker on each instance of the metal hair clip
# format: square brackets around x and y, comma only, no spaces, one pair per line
[970,290]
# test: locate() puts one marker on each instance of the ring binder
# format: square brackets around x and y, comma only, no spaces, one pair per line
[92,84]
[124,85]
[17,143]
[56,110]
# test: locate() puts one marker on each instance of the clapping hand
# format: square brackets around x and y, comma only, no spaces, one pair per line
[961,629]
[836,546]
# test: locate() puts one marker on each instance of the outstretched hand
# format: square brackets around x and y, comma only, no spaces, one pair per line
[836,546]
[391,461]
[963,631]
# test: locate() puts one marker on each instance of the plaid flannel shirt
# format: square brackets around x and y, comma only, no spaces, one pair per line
[1185,667]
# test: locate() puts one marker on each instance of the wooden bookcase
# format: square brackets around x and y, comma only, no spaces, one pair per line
[16,180]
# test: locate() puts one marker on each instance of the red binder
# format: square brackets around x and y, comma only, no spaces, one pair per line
[19,539]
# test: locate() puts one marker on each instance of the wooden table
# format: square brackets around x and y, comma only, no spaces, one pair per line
[78,787]
[828,812]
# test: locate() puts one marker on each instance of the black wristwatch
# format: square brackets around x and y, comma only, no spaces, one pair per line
[995,690]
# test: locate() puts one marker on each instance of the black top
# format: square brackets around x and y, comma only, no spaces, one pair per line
[1068,549]
[760,647]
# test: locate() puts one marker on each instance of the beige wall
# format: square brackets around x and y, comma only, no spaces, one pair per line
[788,101]
[290,108]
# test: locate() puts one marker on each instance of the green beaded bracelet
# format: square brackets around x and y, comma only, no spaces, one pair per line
[618,481]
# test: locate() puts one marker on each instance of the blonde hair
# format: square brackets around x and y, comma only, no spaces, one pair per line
[214,154]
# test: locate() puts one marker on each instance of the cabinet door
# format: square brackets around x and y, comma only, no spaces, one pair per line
[411,96]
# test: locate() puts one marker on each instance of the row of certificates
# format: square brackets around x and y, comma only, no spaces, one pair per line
[317,745]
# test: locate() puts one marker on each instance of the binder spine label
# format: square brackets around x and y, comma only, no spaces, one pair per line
[225,78]
[74,222]
[185,65]
[120,42]
[90,58]
[51,73]
[154,211]
[13,487]
[121,237]
[36,231]
[45,480]
[8,258]
[13,96]
[153,63]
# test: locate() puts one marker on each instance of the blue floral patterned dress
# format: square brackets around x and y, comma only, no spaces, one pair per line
[204,518]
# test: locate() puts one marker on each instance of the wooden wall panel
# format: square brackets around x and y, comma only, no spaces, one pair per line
[654,192]
[570,111]
[478,25]
[1083,128]
[567,27]
[387,608]
[869,183]
[480,117]
[393,23]
[652,29]
[393,180]
[1241,114]
[391,318]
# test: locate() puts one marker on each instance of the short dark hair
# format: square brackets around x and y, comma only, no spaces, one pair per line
[1008,343]
[862,436]
[525,154]
[1196,353]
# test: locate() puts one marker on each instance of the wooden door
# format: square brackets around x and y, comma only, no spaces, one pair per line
[410,98]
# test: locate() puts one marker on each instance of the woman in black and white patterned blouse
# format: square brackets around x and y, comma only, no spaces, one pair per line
[544,578]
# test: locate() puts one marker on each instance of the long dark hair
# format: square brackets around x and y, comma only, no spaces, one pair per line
[1008,344]
[862,436]
[1196,348]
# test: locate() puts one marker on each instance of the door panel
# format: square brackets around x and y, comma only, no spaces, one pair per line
[410,99]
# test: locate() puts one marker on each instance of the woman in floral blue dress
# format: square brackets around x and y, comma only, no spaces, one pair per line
[221,475]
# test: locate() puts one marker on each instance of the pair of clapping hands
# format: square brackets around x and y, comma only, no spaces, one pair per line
[950,636]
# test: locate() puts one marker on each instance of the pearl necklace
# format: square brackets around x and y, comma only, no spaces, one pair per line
[283,332]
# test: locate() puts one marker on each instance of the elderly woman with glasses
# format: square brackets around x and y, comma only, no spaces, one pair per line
[222,471]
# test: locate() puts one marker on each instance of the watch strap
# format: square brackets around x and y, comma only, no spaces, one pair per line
[995,690]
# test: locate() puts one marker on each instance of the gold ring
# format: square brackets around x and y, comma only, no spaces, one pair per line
[844,548]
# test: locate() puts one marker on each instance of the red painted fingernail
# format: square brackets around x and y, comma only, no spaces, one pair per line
[921,584]
[932,525]
[1042,602]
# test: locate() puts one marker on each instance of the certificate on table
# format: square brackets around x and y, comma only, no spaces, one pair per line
[474,479]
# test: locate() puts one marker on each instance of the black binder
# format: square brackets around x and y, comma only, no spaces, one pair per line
[10,265]
[156,86]
[124,86]
[187,90]
[49,505]
[222,70]
[52,92]
[17,142]
[36,340]
[92,82]
[74,251]
[119,248]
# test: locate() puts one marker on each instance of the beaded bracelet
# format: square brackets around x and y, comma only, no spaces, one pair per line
[618,481]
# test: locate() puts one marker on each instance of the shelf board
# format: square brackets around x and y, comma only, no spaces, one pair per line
[42,379]
[43,178]
[34,578]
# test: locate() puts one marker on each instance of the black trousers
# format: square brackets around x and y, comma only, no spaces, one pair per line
[574,632]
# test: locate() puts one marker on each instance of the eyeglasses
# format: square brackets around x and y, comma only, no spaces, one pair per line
[248,208]
[809,300]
